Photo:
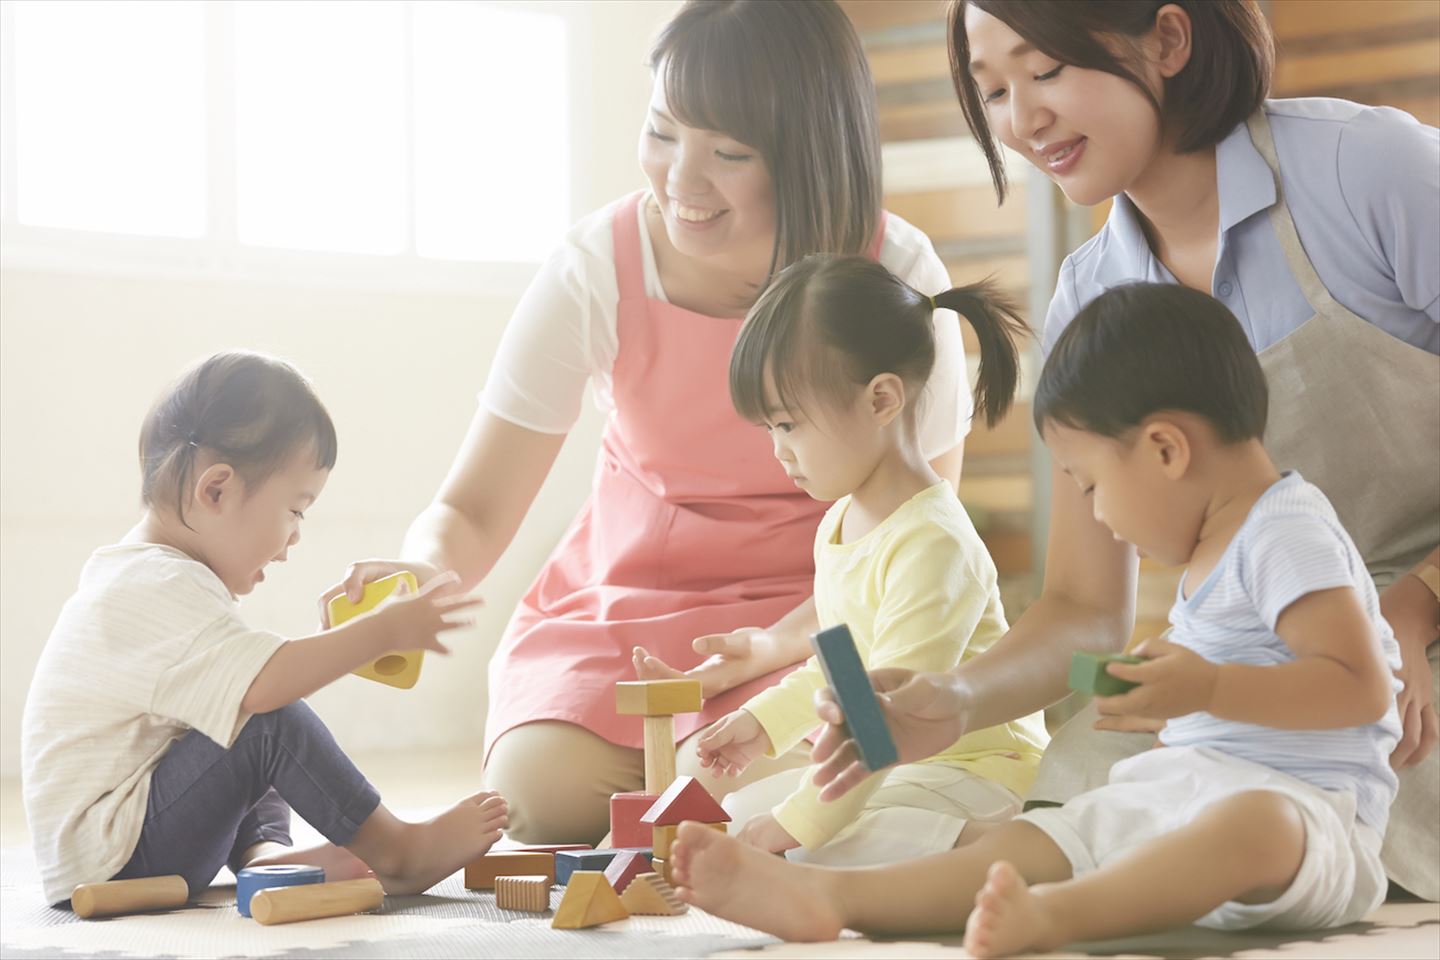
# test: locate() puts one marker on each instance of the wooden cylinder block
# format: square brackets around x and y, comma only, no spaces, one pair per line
[659,753]
[129,896]
[316,900]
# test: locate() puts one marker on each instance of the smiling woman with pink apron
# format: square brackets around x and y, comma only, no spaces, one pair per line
[692,528]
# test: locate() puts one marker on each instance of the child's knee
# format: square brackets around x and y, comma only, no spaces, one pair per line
[1265,830]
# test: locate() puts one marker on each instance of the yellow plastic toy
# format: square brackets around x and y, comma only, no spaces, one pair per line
[395,669]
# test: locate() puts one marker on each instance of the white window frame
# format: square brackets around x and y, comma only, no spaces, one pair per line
[219,254]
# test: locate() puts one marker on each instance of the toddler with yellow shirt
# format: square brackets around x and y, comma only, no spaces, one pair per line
[833,361]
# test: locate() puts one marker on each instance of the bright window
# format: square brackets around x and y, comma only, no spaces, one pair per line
[406,129]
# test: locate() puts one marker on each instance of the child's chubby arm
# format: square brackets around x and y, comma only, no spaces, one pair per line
[403,622]
[1338,679]
[730,744]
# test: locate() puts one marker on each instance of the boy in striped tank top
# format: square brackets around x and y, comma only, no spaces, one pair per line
[1267,800]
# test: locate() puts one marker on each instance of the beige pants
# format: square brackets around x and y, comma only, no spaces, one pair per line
[558,778]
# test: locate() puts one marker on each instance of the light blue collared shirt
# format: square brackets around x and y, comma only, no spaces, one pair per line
[1363,185]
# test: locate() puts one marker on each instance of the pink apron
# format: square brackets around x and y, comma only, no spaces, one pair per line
[692,528]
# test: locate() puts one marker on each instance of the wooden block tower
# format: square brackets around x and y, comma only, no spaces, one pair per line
[658,701]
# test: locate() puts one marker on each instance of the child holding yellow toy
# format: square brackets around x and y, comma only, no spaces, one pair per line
[164,736]
[1268,799]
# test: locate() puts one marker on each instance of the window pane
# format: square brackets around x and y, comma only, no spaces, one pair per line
[110,116]
[320,125]
[492,177]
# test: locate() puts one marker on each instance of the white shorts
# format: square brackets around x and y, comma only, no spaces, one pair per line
[920,809]
[1340,881]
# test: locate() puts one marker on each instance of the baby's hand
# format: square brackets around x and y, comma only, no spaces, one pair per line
[764,832]
[1174,681]
[731,742]
[362,572]
[414,621]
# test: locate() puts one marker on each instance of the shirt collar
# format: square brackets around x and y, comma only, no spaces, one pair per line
[1244,182]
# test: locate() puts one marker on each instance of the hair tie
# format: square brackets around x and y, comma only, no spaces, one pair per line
[932,303]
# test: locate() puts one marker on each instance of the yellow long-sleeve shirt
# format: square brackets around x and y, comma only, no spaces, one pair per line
[918,591]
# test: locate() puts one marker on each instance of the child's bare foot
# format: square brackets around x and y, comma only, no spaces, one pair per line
[416,856]
[723,876]
[337,862]
[1008,918]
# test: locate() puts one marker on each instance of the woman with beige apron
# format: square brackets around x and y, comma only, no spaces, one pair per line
[1357,412]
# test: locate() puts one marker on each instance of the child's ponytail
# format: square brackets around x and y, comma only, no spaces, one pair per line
[997,324]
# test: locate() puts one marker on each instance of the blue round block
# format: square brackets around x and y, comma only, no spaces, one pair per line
[252,880]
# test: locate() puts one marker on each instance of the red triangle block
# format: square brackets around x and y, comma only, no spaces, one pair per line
[626,867]
[686,799]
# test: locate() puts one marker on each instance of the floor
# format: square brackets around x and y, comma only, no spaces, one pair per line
[446,924]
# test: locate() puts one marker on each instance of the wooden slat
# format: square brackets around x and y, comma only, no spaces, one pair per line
[1299,75]
[922,121]
[1009,437]
[1010,551]
[870,15]
[910,63]
[1306,18]
[998,494]
[965,213]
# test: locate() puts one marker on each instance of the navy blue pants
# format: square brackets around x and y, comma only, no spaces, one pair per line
[208,805]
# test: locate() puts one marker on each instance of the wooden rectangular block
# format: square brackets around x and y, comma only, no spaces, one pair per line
[531,894]
[480,874]
[657,698]
[663,839]
[845,673]
[568,862]
[1087,673]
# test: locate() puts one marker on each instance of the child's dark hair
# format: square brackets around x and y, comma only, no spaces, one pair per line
[252,411]
[1143,348]
[1226,80]
[830,323]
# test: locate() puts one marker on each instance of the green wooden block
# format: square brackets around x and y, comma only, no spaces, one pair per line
[1087,673]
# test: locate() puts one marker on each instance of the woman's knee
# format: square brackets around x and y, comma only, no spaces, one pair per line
[558,779]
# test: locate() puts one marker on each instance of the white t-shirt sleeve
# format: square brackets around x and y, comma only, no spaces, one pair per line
[1287,556]
[538,377]
[205,687]
[945,417]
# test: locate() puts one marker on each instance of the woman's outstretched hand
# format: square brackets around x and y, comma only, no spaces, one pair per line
[730,660]
[361,572]
[924,712]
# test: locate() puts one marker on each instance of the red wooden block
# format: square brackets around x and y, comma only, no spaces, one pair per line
[685,799]
[626,867]
[626,809]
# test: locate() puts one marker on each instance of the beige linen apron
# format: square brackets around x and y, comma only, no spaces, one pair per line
[1357,412]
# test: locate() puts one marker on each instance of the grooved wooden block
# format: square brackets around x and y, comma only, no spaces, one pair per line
[1087,673]
[523,893]
[589,900]
[662,866]
[480,874]
[651,895]
[657,698]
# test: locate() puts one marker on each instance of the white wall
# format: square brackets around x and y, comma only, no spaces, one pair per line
[83,354]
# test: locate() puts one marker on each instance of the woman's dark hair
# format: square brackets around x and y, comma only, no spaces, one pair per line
[1143,348]
[1228,77]
[251,411]
[790,80]
[829,324]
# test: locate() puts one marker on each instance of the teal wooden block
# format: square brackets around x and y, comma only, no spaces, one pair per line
[1087,673]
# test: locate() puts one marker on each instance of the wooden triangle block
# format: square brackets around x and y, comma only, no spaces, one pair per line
[685,799]
[588,902]
[626,866]
[649,895]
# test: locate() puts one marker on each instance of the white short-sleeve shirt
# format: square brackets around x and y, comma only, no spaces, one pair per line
[150,647]
[563,334]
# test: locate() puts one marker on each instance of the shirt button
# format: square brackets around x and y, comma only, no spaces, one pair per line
[1226,289]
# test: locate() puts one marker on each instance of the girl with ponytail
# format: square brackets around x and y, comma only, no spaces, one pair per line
[833,361]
